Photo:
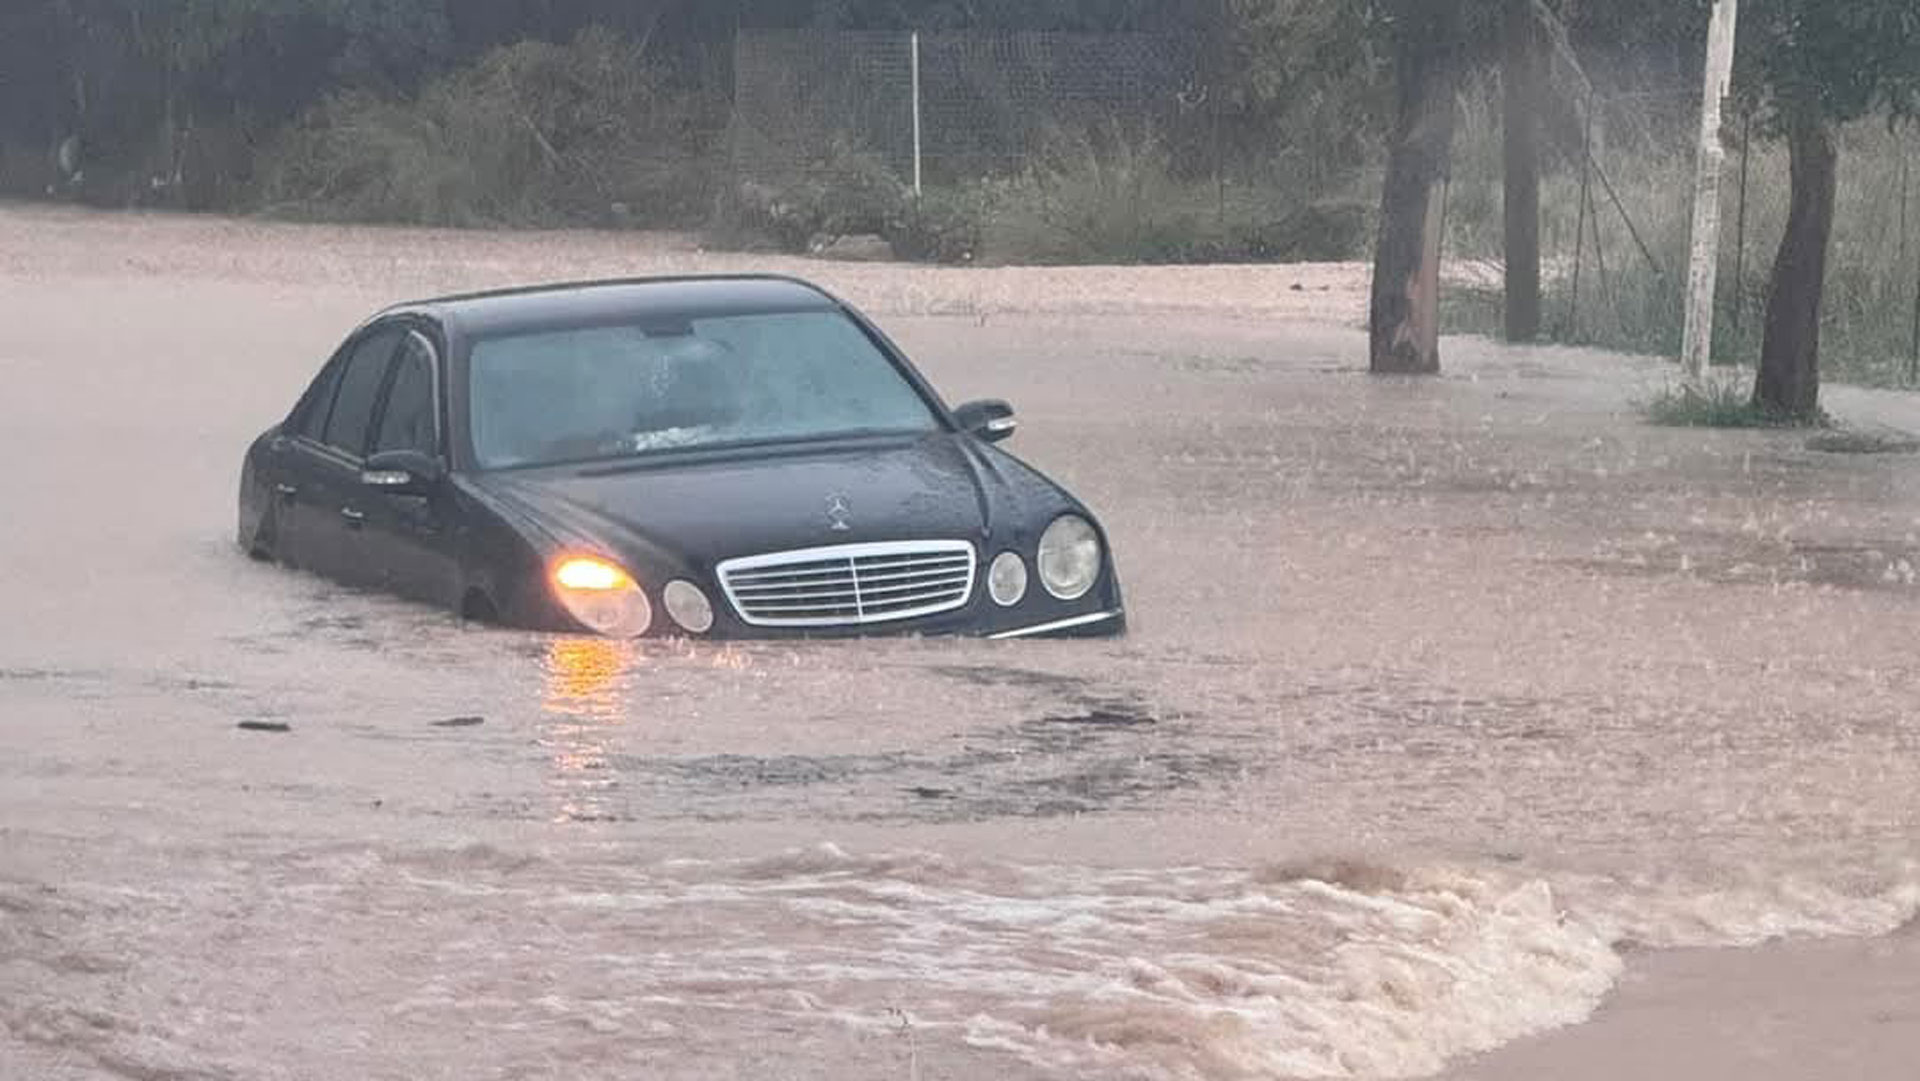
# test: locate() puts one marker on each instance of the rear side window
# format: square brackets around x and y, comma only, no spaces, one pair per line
[407,422]
[311,418]
[360,384]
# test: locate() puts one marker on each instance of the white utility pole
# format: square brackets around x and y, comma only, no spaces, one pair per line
[1703,271]
[916,114]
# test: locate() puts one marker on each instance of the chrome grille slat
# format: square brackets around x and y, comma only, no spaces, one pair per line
[847,607]
[850,585]
[835,571]
[907,576]
[910,587]
[896,564]
[779,593]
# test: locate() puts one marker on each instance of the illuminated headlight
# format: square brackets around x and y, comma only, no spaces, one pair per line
[688,606]
[603,597]
[1007,579]
[1069,557]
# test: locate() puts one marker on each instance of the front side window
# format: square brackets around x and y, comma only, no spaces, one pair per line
[613,392]
[360,385]
[407,422]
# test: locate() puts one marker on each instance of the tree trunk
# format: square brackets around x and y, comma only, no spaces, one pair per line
[1521,81]
[1789,383]
[1405,312]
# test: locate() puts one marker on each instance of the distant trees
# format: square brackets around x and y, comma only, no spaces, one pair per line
[1804,67]
[169,100]
[141,87]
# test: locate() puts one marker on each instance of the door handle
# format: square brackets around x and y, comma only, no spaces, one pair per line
[355,519]
[286,491]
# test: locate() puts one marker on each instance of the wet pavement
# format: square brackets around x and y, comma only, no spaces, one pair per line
[1441,695]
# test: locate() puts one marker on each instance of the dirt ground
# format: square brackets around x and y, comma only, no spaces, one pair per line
[1467,723]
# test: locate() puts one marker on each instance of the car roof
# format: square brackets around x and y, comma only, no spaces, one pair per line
[565,304]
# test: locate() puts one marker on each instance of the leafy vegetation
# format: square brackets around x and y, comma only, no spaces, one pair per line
[532,134]
[1718,404]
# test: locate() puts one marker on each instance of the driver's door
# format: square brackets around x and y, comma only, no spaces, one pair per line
[409,540]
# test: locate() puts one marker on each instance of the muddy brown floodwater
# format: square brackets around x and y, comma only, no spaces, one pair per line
[1443,698]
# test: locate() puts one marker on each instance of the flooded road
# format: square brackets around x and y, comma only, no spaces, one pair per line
[1442,698]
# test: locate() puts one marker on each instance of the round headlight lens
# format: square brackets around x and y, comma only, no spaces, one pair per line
[1069,557]
[688,606]
[603,597]
[1007,579]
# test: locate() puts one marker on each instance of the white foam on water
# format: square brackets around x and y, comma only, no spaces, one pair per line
[1330,969]
[1311,972]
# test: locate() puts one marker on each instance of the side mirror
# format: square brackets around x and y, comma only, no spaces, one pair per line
[403,472]
[991,419]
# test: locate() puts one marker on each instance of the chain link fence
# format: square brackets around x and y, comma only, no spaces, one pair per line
[939,109]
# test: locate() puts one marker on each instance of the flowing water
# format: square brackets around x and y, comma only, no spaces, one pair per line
[1443,698]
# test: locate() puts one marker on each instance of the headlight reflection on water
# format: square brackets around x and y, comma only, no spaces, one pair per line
[590,695]
[586,678]
[588,691]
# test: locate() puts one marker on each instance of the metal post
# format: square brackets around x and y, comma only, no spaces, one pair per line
[1702,275]
[1913,359]
[1580,228]
[1906,186]
[1740,227]
[916,113]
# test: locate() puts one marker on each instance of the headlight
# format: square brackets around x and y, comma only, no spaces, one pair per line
[688,606]
[603,597]
[1007,579]
[1069,557]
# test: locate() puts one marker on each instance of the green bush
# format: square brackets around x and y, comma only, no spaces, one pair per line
[1329,231]
[843,191]
[1719,404]
[1116,196]
[1108,197]
[532,134]
[942,226]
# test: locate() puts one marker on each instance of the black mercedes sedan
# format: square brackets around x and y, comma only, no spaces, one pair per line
[712,457]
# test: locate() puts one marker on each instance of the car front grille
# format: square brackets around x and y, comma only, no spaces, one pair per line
[850,585]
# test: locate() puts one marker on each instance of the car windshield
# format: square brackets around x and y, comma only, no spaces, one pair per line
[608,392]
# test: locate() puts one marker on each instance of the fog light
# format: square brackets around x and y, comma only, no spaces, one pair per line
[1007,579]
[689,607]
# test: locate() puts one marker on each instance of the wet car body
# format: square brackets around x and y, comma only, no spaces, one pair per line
[831,535]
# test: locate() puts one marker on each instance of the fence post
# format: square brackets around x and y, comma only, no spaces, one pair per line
[1740,228]
[915,64]
[1580,228]
[1697,349]
[1913,358]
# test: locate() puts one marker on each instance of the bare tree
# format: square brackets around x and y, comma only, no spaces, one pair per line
[1523,87]
[1405,313]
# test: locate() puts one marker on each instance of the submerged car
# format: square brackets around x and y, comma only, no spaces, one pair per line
[713,457]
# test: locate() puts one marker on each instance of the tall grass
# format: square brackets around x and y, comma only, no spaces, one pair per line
[533,134]
[1117,195]
[1644,149]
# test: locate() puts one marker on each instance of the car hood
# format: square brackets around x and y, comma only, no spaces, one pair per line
[698,512]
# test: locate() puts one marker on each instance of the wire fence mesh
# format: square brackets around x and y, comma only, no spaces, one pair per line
[953,106]
[1616,217]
